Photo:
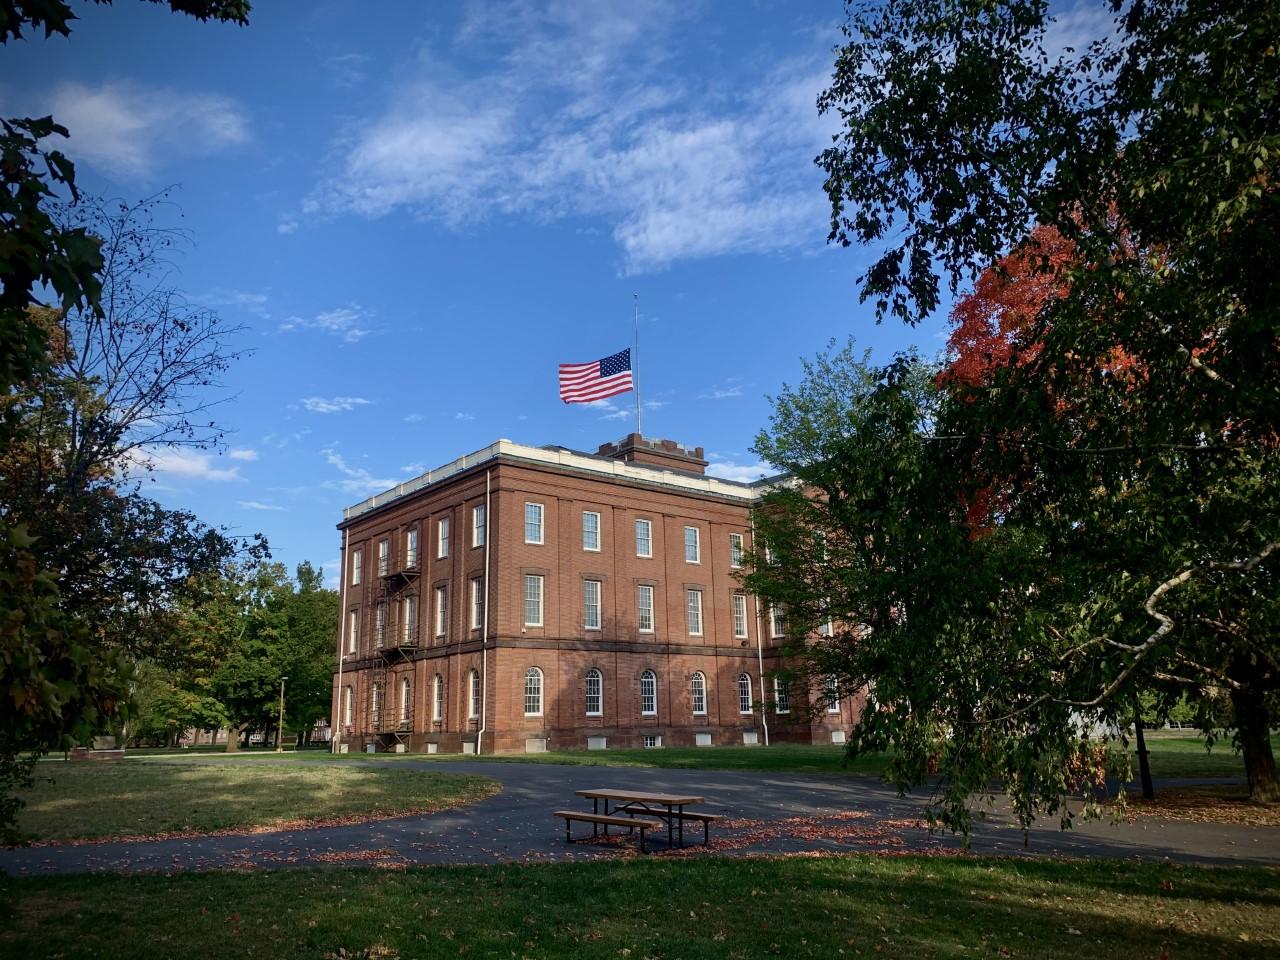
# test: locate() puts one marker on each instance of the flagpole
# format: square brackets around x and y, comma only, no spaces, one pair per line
[635,363]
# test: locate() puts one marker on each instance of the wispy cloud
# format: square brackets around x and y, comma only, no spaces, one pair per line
[355,480]
[579,116]
[243,453]
[464,416]
[414,417]
[725,391]
[742,472]
[333,404]
[187,464]
[129,131]
[258,505]
[250,301]
[347,323]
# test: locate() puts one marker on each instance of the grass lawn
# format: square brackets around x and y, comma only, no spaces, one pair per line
[1185,756]
[144,797]
[908,907]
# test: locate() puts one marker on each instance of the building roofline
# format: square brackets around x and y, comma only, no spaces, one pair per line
[685,481]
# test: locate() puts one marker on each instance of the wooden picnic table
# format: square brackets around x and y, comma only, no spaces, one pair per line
[637,801]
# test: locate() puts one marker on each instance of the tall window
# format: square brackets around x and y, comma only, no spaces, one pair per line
[744,693]
[437,699]
[442,537]
[477,526]
[533,692]
[411,548]
[693,606]
[644,538]
[346,706]
[832,691]
[781,696]
[644,608]
[740,616]
[353,632]
[595,693]
[777,621]
[698,692]
[473,683]
[692,546]
[405,702]
[410,619]
[477,603]
[377,704]
[590,530]
[648,694]
[533,523]
[442,610]
[357,561]
[735,550]
[591,604]
[380,625]
[384,557]
[532,600]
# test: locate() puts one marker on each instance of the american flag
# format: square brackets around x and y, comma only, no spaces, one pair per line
[584,382]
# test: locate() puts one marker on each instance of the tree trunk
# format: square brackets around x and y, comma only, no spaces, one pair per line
[1144,764]
[1253,725]
[233,739]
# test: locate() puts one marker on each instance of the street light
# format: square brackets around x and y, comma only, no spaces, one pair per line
[280,728]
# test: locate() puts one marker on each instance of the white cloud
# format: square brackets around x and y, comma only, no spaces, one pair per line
[348,323]
[250,301]
[742,472]
[333,405]
[187,464]
[578,116]
[464,416]
[413,418]
[1077,27]
[356,480]
[243,453]
[287,224]
[258,505]
[129,130]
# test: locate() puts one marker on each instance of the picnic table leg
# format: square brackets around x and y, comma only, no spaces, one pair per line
[668,826]
[595,808]
[642,849]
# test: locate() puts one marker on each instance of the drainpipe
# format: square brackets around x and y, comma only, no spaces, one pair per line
[336,740]
[484,622]
[755,599]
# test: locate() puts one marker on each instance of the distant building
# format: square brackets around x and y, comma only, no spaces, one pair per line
[533,598]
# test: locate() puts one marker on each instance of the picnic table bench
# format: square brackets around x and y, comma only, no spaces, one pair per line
[597,819]
[668,807]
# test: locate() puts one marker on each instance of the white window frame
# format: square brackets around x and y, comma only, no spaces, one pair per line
[375,704]
[442,610]
[589,607]
[831,691]
[477,603]
[380,625]
[649,679]
[348,698]
[473,695]
[534,580]
[777,621]
[533,692]
[406,693]
[353,631]
[746,700]
[740,616]
[586,544]
[442,538]
[357,561]
[642,590]
[539,524]
[411,547]
[698,693]
[693,611]
[647,525]
[781,696]
[479,525]
[692,549]
[384,557]
[410,624]
[736,550]
[437,699]
[594,678]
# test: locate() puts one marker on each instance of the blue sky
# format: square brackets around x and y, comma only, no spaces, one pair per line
[418,211]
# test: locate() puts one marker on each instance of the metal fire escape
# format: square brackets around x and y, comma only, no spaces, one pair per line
[395,640]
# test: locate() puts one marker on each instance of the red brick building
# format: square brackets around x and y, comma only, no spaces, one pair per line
[530,598]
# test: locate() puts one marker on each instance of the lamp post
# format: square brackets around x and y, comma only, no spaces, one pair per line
[280,728]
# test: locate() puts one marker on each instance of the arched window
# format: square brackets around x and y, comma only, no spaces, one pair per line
[346,706]
[832,690]
[474,684]
[744,693]
[405,690]
[437,699]
[533,692]
[595,693]
[698,689]
[648,694]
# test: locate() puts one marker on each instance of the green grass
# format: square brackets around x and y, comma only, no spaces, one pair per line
[1185,756]
[908,907]
[142,797]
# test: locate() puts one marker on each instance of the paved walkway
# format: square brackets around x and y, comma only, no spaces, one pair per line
[768,813]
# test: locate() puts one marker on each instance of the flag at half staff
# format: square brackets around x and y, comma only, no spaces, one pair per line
[585,382]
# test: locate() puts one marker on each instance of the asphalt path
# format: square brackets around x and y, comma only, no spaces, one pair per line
[767,813]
